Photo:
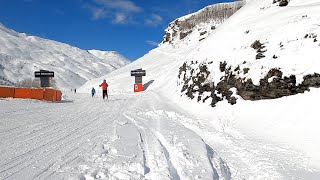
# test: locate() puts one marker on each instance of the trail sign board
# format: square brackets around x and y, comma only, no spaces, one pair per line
[43,73]
[44,76]
[138,72]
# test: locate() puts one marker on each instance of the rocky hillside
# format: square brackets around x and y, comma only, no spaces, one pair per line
[22,54]
[198,25]
[257,55]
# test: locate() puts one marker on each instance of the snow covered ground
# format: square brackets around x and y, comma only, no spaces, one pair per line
[157,134]
[88,138]
[147,136]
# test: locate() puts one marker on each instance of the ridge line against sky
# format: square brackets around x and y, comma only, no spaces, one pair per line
[130,27]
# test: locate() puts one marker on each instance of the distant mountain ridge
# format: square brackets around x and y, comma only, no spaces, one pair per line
[22,54]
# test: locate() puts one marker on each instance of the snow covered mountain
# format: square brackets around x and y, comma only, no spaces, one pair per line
[113,58]
[22,54]
[264,60]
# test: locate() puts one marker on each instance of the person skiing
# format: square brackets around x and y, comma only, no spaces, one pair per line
[104,86]
[93,91]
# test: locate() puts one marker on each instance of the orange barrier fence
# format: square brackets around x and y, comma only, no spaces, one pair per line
[23,93]
[37,94]
[28,93]
[6,92]
[50,95]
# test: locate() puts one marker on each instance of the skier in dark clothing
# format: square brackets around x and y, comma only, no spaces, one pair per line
[93,91]
[104,86]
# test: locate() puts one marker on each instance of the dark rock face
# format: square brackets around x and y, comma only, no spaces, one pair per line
[274,85]
[203,33]
[311,36]
[281,2]
[167,37]
[259,47]
[184,34]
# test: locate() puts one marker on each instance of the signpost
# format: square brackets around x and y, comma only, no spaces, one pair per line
[44,76]
[138,73]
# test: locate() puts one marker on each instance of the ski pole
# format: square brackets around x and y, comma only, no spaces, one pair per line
[98,92]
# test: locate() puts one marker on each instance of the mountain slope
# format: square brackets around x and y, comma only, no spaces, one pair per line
[267,139]
[21,55]
[263,52]
[113,58]
[197,26]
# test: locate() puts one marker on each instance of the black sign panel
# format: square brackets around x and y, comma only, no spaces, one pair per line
[138,72]
[44,74]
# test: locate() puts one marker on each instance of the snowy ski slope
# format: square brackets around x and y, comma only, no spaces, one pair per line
[269,139]
[157,134]
[87,138]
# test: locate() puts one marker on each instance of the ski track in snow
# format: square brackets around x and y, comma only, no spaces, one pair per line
[144,136]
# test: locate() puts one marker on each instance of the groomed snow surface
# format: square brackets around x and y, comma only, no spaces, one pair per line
[88,138]
[147,136]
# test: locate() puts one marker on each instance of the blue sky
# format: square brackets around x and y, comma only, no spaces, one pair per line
[131,27]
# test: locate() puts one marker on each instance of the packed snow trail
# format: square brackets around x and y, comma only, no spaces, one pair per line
[84,137]
[41,139]
[132,136]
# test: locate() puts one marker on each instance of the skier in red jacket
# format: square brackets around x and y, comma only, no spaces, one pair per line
[104,86]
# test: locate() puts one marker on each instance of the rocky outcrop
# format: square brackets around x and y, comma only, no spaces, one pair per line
[260,48]
[197,84]
[281,2]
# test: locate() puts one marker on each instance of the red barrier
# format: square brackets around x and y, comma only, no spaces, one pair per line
[37,94]
[25,93]
[22,93]
[6,92]
[50,95]
[59,96]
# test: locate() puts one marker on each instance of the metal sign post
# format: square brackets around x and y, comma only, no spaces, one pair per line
[138,73]
[44,76]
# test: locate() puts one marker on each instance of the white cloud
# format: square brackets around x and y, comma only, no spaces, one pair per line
[120,18]
[154,20]
[122,5]
[98,13]
[152,43]
[118,11]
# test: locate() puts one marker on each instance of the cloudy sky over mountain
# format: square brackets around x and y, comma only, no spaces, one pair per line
[131,27]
